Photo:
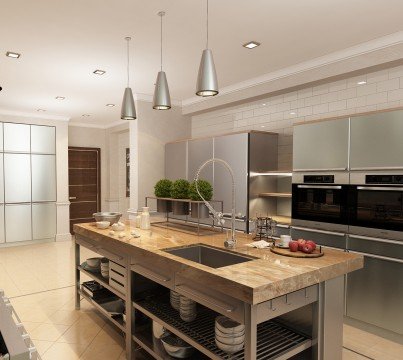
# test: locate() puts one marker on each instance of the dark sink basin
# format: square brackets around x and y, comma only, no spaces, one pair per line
[209,256]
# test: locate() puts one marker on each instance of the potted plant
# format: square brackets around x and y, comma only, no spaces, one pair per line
[180,190]
[199,210]
[162,189]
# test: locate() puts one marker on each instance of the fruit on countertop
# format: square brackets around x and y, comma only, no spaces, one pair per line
[312,243]
[293,246]
[307,248]
[301,243]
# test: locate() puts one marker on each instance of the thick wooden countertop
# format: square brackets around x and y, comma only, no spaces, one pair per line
[255,281]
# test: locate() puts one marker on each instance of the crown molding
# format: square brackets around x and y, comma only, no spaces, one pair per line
[87,125]
[34,115]
[335,58]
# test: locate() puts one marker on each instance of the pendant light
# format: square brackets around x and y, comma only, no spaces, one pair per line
[162,99]
[128,111]
[207,84]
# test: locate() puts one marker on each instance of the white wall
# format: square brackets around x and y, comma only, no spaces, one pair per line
[383,90]
[148,136]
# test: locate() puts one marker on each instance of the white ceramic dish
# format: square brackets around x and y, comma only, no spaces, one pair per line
[238,340]
[224,335]
[118,226]
[229,348]
[94,262]
[228,326]
[102,224]
[282,246]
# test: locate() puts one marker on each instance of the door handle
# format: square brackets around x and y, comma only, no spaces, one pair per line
[72,197]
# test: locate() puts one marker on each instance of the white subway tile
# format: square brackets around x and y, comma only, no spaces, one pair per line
[377,76]
[388,105]
[261,111]
[304,93]
[352,82]
[289,114]
[240,123]
[395,95]
[366,89]
[377,98]
[338,85]
[238,116]
[391,84]
[356,102]
[290,96]
[276,100]
[320,109]
[283,107]
[337,105]
[401,82]
[247,114]
[297,104]
[305,111]
[314,100]
[396,72]
[276,116]
[320,89]
[365,109]
[347,94]
[327,98]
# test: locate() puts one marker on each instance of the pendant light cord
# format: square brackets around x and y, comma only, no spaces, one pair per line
[161,41]
[128,61]
[207,27]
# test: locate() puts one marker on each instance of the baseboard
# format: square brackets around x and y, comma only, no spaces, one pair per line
[63,237]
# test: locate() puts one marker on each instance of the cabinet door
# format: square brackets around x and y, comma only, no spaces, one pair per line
[43,221]
[2,234]
[176,160]
[234,150]
[18,222]
[376,141]
[43,178]
[1,179]
[43,139]
[321,146]
[17,137]
[17,178]
[1,137]
[199,151]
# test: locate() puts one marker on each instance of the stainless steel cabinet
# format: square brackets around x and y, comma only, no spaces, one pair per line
[43,178]
[376,141]
[18,222]
[321,237]
[43,139]
[329,139]
[199,151]
[17,137]
[176,160]
[43,221]
[17,178]
[2,234]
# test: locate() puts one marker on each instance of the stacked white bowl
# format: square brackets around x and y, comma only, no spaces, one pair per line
[229,335]
[187,309]
[175,299]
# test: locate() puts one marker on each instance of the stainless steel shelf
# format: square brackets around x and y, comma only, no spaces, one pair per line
[274,341]
[100,279]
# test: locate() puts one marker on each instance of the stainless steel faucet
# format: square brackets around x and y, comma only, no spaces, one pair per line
[229,243]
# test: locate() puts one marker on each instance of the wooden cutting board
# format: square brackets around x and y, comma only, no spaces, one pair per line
[298,254]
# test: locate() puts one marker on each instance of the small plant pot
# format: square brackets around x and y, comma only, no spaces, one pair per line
[180,208]
[199,211]
[164,206]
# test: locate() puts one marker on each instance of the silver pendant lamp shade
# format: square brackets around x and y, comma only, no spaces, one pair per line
[128,111]
[207,84]
[162,98]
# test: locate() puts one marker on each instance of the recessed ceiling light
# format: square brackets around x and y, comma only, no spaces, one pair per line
[262,126]
[13,54]
[99,72]
[361,82]
[264,104]
[59,97]
[41,110]
[293,113]
[86,115]
[110,105]
[251,44]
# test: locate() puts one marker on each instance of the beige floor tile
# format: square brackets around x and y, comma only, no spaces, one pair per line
[30,326]
[48,332]
[80,333]
[64,317]
[64,351]
[102,352]
[350,355]
[109,335]
[42,346]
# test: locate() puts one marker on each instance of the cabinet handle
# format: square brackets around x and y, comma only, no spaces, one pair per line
[386,241]
[378,168]
[380,188]
[329,169]
[318,231]
[150,273]
[206,298]
[377,256]
[326,187]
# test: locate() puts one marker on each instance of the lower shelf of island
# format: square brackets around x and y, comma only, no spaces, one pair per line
[274,340]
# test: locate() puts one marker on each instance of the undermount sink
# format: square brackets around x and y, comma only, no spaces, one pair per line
[209,256]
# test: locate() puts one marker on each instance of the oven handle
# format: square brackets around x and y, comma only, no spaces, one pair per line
[330,169]
[376,256]
[369,238]
[318,231]
[378,168]
[379,188]
[338,187]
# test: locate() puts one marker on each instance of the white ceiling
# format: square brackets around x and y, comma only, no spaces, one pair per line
[63,41]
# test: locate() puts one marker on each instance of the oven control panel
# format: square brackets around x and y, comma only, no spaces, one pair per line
[384,179]
[319,179]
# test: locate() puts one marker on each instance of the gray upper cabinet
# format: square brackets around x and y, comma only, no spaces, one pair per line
[43,178]
[43,139]
[321,146]
[199,151]
[376,141]
[17,178]
[17,137]
[176,160]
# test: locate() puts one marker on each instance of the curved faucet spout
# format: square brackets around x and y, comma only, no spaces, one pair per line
[218,215]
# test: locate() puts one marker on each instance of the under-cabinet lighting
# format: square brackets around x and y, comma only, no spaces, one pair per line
[59,97]
[361,82]
[41,110]
[99,72]
[13,55]
[251,44]
[86,115]
[274,173]
[293,113]
[110,105]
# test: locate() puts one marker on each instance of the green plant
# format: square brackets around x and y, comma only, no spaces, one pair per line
[180,189]
[163,188]
[205,189]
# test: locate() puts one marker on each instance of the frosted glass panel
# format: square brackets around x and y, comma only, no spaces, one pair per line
[43,221]
[1,137]
[2,236]
[17,137]
[1,180]
[43,178]
[43,139]
[17,175]
[18,220]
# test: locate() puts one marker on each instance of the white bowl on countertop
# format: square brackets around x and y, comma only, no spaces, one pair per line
[119,226]
[102,224]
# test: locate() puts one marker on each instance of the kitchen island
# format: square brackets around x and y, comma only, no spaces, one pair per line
[291,307]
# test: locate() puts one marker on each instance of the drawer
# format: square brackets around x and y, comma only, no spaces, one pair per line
[155,268]
[117,276]
[213,299]
[285,303]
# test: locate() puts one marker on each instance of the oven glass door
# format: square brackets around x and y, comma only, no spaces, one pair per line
[322,203]
[379,207]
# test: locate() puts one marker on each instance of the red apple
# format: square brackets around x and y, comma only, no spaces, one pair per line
[307,249]
[293,246]
[312,243]
[301,243]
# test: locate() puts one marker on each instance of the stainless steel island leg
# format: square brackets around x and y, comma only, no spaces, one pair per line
[77,272]
[250,332]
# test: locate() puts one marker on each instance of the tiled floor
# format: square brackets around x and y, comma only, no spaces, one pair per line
[39,279]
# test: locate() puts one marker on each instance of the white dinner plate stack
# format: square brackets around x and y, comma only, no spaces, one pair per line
[187,309]
[175,299]
[229,335]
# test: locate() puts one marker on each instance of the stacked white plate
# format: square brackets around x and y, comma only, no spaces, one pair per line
[229,335]
[187,309]
[175,299]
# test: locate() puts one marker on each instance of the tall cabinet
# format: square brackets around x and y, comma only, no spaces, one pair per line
[28,182]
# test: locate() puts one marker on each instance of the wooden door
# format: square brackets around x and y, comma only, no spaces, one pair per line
[84,184]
